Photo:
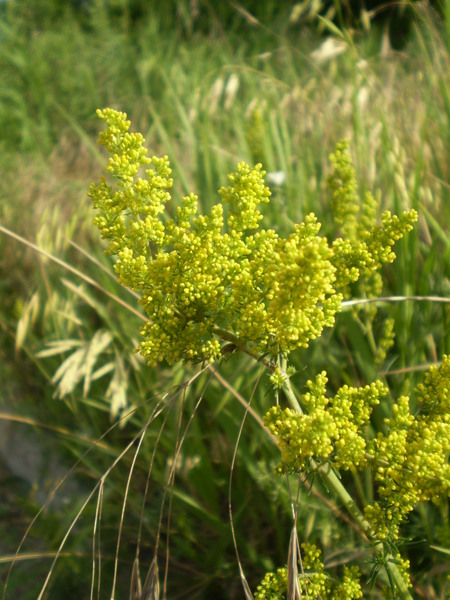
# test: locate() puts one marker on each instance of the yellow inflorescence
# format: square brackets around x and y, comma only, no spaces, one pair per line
[200,273]
[332,429]
[412,455]
[314,582]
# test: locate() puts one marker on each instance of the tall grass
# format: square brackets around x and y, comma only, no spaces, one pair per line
[282,95]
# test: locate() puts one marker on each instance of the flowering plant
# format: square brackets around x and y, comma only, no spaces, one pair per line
[206,281]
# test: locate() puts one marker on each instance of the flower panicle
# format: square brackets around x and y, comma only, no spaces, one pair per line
[329,429]
[198,274]
[409,457]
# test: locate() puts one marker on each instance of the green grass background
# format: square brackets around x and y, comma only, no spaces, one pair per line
[209,88]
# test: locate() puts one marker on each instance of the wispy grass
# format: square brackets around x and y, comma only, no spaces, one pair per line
[247,93]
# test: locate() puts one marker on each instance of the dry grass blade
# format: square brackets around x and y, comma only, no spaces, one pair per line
[395,299]
[135,586]
[66,536]
[247,591]
[293,586]
[80,364]
[151,585]
[251,20]
[155,413]
[60,430]
[171,475]
[124,503]
[83,507]
[68,267]
[9,558]
[118,387]
[105,270]
[147,485]
[243,402]
[170,484]
[26,321]
[412,369]
[95,534]
[182,388]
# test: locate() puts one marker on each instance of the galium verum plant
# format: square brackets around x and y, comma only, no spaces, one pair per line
[211,283]
[198,279]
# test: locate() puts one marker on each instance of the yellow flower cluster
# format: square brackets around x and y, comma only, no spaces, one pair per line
[273,586]
[412,456]
[314,582]
[330,429]
[201,274]
[365,245]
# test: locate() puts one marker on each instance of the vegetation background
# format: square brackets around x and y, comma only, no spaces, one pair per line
[209,84]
